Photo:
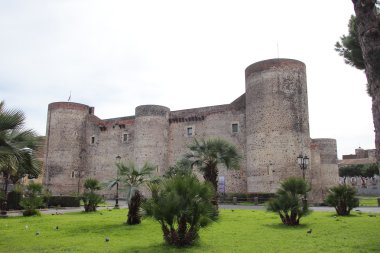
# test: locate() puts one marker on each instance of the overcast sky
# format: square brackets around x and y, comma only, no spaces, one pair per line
[116,55]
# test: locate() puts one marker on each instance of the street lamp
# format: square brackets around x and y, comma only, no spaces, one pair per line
[303,162]
[118,158]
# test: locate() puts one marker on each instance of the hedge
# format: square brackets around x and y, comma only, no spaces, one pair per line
[14,198]
[243,197]
[63,201]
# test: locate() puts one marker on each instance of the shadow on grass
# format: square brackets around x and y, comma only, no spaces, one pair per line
[351,215]
[161,247]
[99,228]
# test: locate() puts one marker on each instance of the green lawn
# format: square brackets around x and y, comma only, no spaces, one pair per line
[237,231]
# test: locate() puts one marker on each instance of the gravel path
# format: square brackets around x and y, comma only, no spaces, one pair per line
[57,211]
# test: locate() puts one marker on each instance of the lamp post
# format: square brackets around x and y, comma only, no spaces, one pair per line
[303,162]
[118,158]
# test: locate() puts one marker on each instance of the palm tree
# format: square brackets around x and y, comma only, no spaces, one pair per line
[342,198]
[207,155]
[90,198]
[133,178]
[182,207]
[9,120]
[288,202]
[17,158]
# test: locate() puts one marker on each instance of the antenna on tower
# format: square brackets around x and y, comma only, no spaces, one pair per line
[69,97]
[278,52]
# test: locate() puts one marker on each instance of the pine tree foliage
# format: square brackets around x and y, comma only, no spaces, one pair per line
[349,47]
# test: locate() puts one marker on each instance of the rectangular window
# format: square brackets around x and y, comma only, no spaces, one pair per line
[235,128]
[125,137]
[92,139]
[189,131]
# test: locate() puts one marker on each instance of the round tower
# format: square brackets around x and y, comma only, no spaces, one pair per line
[151,136]
[65,156]
[329,172]
[277,122]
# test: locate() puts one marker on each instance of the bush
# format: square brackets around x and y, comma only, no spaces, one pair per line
[90,198]
[342,198]
[14,199]
[91,201]
[182,207]
[63,201]
[288,202]
[32,199]
[31,212]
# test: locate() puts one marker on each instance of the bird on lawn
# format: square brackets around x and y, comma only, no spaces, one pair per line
[56,228]
[309,231]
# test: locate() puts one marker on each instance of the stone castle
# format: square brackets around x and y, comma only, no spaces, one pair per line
[269,124]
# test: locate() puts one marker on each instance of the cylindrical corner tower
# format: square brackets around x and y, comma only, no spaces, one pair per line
[151,136]
[277,122]
[328,167]
[65,161]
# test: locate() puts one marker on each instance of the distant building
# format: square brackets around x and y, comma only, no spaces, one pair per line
[361,156]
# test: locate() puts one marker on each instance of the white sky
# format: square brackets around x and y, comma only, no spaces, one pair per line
[116,55]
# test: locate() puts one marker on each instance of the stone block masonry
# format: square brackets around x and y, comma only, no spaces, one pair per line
[269,124]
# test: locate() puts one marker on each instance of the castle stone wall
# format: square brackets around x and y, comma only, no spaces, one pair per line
[271,119]
[210,122]
[108,145]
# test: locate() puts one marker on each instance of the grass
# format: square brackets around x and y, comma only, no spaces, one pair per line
[236,231]
[367,201]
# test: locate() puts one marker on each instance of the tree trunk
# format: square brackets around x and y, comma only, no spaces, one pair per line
[4,202]
[368,27]
[211,175]
[133,209]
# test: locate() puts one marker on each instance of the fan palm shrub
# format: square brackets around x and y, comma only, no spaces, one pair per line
[182,206]
[32,199]
[342,198]
[206,155]
[182,167]
[133,178]
[288,202]
[90,198]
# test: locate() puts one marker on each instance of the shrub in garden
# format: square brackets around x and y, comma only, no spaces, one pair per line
[288,201]
[32,199]
[342,198]
[90,198]
[182,206]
